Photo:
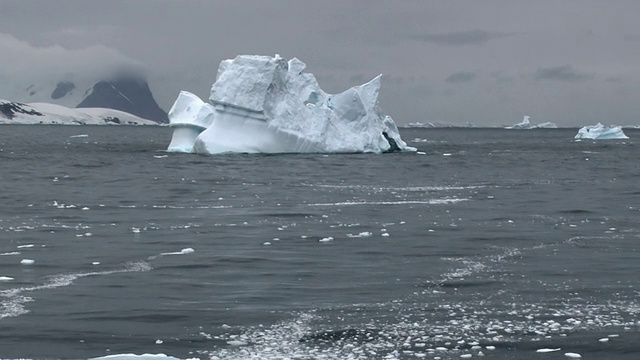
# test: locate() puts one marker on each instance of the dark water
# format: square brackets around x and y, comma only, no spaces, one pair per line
[490,242]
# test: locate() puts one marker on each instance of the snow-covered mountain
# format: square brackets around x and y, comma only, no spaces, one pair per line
[124,91]
[47,113]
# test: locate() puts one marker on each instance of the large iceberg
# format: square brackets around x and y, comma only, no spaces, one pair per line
[600,132]
[262,104]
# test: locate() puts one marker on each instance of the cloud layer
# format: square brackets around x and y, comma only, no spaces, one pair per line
[571,62]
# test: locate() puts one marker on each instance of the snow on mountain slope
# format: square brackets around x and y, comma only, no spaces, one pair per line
[47,113]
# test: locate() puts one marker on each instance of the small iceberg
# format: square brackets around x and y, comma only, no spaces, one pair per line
[601,132]
[526,124]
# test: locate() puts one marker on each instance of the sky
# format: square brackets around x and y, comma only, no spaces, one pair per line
[488,63]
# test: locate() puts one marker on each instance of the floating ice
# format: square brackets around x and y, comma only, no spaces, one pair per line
[181,252]
[572,355]
[526,124]
[5,278]
[546,350]
[27,262]
[262,104]
[600,132]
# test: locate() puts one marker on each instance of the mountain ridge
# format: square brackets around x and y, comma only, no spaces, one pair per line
[126,91]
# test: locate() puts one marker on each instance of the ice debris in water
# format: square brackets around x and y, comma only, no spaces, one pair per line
[5,278]
[263,104]
[571,355]
[27,262]
[181,252]
[601,132]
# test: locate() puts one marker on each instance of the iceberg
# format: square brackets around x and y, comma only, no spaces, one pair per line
[526,124]
[600,132]
[263,104]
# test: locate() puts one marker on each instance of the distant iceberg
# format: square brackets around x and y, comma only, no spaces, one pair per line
[262,104]
[600,132]
[526,124]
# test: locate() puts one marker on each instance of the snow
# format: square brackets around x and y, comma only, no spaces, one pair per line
[262,104]
[600,132]
[526,124]
[47,113]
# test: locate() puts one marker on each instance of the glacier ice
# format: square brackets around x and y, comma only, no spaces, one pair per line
[600,132]
[263,104]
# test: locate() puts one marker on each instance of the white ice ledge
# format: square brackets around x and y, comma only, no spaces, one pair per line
[262,104]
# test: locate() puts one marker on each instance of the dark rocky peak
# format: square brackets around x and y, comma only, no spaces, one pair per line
[62,89]
[9,109]
[125,92]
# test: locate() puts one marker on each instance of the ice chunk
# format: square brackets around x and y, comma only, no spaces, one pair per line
[189,117]
[600,132]
[573,355]
[262,104]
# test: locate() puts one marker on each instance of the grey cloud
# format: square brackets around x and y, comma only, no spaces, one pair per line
[462,77]
[631,37]
[561,73]
[473,37]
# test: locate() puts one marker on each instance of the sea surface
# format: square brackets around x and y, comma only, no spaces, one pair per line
[492,243]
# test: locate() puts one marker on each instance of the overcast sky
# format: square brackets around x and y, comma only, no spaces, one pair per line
[485,62]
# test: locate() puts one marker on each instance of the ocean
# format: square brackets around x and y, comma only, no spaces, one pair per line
[493,243]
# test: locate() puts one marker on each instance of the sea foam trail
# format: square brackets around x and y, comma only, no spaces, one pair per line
[14,300]
[434,324]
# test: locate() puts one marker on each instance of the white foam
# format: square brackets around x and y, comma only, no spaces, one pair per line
[13,305]
[405,202]
[136,357]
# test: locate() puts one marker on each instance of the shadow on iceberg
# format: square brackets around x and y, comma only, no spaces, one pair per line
[262,104]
